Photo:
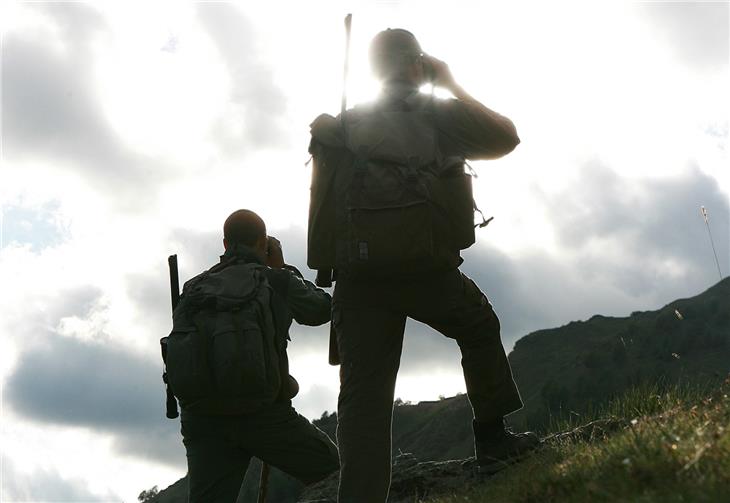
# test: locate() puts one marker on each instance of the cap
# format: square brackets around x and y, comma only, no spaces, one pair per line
[391,49]
[395,40]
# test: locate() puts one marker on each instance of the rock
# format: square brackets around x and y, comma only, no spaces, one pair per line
[410,480]
[413,480]
[405,460]
[324,491]
[429,478]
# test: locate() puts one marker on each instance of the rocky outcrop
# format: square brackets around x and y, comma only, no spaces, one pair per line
[411,480]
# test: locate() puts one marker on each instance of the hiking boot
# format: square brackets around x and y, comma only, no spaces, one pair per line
[497,447]
[503,450]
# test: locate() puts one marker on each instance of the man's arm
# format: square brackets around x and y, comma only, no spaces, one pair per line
[308,304]
[466,126]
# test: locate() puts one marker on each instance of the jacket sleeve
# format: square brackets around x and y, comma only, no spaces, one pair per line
[468,128]
[308,304]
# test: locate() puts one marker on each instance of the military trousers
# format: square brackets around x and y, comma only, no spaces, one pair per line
[369,320]
[219,450]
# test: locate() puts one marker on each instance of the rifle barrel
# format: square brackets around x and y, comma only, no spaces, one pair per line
[174,281]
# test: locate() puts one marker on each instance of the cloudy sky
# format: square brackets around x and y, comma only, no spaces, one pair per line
[130,131]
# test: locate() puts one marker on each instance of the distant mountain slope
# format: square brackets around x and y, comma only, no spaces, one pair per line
[558,370]
[436,430]
[586,362]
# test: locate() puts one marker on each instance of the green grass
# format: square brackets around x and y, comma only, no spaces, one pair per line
[670,446]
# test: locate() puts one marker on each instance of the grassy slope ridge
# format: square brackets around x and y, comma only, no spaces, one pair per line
[565,372]
[672,446]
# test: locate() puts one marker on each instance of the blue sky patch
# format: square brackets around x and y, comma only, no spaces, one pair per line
[40,227]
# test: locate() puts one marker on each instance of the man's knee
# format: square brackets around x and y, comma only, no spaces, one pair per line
[324,466]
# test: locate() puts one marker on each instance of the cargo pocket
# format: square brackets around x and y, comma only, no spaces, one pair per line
[335,355]
[479,301]
[473,294]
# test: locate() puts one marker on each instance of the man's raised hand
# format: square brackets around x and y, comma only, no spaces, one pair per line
[274,253]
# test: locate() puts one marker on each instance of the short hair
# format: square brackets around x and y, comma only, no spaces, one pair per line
[244,227]
[392,51]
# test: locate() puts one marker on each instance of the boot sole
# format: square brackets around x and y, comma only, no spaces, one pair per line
[492,467]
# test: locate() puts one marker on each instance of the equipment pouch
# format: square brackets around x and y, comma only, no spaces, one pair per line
[238,355]
[452,194]
[188,372]
[398,237]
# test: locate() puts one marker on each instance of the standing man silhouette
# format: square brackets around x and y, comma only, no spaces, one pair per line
[369,313]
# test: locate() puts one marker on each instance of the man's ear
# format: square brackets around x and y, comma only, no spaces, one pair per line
[262,244]
[225,244]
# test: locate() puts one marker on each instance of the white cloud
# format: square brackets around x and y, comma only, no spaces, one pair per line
[47,485]
[58,463]
[256,105]
[131,132]
[698,32]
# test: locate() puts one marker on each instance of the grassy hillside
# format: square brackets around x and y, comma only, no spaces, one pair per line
[668,446]
[564,374]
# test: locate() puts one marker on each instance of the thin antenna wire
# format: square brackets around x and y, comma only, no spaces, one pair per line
[712,242]
[346,70]
[345,73]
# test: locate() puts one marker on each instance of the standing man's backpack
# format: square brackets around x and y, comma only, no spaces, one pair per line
[383,199]
[223,354]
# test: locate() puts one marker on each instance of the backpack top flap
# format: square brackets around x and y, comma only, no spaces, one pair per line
[224,289]
[395,136]
[327,130]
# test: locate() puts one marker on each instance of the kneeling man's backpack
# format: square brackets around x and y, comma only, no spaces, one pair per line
[223,351]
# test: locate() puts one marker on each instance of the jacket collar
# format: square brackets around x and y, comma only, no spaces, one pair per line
[246,253]
[398,90]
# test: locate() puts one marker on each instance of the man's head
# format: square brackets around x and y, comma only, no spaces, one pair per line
[396,56]
[244,227]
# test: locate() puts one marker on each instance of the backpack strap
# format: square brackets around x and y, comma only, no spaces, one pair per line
[359,166]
